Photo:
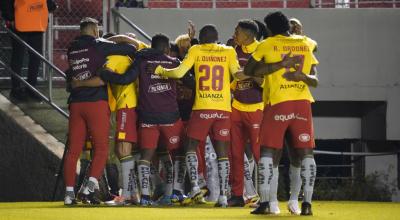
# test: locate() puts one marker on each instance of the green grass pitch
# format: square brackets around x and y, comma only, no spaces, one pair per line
[337,210]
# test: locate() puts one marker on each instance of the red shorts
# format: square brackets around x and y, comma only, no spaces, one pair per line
[246,126]
[215,121]
[292,116]
[170,135]
[126,125]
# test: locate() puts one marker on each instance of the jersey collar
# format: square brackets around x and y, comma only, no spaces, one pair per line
[251,47]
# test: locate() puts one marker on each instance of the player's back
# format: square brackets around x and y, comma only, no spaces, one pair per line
[213,66]
[274,49]
[125,95]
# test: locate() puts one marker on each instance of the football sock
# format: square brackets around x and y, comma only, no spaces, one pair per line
[273,194]
[127,167]
[69,191]
[308,174]
[223,174]
[192,165]
[265,174]
[295,182]
[169,173]
[144,176]
[252,164]
[179,174]
[249,188]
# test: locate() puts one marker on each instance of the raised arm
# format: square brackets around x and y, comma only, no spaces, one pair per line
[179,71]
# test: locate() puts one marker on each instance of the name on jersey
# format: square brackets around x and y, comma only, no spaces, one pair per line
[79,51]
[159,88]
[293,86]
[212,58]
[211,96]
[243,85]
[300,48]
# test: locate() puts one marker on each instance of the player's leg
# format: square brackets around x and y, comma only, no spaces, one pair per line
[76,140]
[171,137]
[200,153]
[295,180]
[252,121]
[271,139]
[148,138]
[221,134]
[97,115]
[197,131]
[273,193]
[237,147]
[303,140]
[178,192]
[126,137]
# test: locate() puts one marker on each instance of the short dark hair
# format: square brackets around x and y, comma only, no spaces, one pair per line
[262,30]
[277,22]
[87,22]
[173,47]
[249,25]
[160,42]
[208,34]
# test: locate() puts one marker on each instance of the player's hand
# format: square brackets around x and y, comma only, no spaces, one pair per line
[191,29]
[296,76]
[159,70]
[240,75]
[289,61]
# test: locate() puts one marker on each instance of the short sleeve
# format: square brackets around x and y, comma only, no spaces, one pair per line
[258,54]
[233,61]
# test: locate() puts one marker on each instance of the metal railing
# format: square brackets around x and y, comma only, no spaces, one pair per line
[44,60]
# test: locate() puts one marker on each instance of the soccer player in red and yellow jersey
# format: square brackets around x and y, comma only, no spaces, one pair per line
[124,103]
[247,110]
[213,66]
[290,104]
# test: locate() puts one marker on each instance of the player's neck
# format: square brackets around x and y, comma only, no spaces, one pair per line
[248,42]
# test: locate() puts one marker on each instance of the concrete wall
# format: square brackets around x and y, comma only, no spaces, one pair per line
[358,49]
[27,168]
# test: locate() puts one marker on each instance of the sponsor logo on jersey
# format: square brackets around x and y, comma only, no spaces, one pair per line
[211,96]
[304,137]
[212,116]
[255,126]
[293,86]
[224,132]
[173,139]
[159,88]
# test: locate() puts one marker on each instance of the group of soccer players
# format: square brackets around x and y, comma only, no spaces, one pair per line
[254,94]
